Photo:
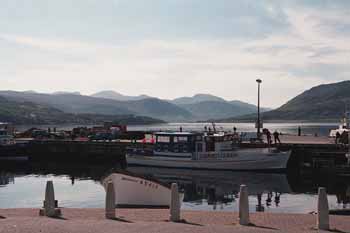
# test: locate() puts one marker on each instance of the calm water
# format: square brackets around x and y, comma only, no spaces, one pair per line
[292,128]
[78,185]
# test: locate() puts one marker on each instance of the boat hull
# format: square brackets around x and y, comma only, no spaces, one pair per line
[260,159]
[136,192]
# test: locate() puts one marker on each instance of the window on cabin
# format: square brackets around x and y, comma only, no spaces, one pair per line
[199,147]
[165,139]
[182,139]
[185,148]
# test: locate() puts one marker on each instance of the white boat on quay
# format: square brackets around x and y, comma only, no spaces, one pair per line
[208,152]
[132,191]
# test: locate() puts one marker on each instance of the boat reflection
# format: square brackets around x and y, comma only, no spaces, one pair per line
[219,188]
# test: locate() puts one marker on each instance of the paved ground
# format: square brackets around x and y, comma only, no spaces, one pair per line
[144,221]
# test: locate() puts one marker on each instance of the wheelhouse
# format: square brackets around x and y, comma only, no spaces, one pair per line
[176,142]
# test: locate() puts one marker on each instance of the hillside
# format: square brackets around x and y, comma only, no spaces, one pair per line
[25,112]
[321,103]
[217,109]
[197,99]
[159,109]
[117,96]
[30,113]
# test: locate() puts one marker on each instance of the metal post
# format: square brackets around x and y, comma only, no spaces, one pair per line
[258,124]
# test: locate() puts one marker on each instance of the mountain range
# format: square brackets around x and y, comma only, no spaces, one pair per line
[321,103]
[198,107]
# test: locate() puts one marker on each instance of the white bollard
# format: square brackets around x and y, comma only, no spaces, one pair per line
[50,209]
[175,203]
[322,210]
[243,206]
[110,201]
[49,199]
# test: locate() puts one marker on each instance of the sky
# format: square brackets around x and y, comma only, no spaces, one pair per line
[173,48]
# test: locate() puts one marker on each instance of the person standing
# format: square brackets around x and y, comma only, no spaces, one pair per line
[268,136]
[276,137]
[337,137]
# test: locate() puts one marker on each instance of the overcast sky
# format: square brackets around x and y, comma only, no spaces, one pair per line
[172,48]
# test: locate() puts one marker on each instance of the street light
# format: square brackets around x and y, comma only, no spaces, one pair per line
[258,123]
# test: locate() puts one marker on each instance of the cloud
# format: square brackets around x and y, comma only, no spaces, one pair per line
[173,48]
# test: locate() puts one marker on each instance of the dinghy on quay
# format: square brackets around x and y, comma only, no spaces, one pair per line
[188,150]
[132,191]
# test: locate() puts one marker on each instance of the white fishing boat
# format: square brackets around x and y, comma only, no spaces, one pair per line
[137,192]
[210,152]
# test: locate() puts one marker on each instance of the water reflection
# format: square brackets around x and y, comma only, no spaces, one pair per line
[216,190]
[221,188]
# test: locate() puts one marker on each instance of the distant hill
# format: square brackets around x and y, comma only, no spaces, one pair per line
[80,104]
[217,109]
[29,113]
[65,93]
[70,103]
[321,103]
[24,112]
[117,96]
[159,109]
[205,107]
[196,99]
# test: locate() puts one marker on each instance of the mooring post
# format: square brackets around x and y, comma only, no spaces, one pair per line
[175,203]
[243,206]
[322,210]
[50,209]
[110,201]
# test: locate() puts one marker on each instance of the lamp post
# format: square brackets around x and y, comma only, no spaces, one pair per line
[258,123]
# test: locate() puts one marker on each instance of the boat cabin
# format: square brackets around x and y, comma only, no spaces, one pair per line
[188,143]
[176,142]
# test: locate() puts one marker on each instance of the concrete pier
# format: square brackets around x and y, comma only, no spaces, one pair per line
[110,202]
[243,206]
[175,203]
[322,210]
